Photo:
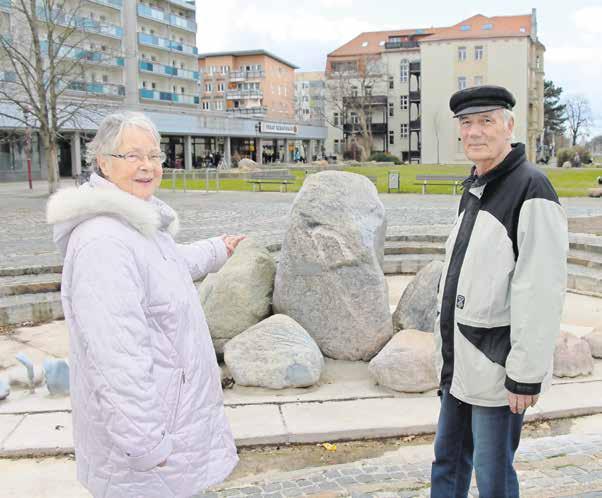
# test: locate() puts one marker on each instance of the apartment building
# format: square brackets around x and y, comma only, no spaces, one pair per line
[310,91]
[413,72]
[248,83]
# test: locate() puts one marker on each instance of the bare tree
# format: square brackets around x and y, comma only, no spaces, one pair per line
[352,89]
[44,60]
[579,116]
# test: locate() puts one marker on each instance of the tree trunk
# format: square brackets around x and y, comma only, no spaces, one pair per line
[50,148]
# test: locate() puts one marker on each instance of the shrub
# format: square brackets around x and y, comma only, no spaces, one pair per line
[570,154]
[384,157]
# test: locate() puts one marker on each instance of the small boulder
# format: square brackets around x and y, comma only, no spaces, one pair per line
[407,363]
[594,339]
[572,356]
[247,165]
[276,353]
[567,164]
[240,294]
[417,308]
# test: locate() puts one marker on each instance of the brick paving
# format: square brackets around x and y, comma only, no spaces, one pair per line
[567,466]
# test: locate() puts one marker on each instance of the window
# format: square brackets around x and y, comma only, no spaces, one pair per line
[478,52]
[354,118]
[488,26]
[219,105]
[181,89]
[404,130]
[335,119]
[337,146]
[220,87]
[538,62]
[391,82]
[391,137]
[181,65]
[105,78]
[208,87]
[354,91]
[153,58]
[368,90]
[391,109]
[205,105]
[153,86]
[404,70]
[461,53]
[364,44]
[465,27]
[173,88]
[478,80]
[403,101]
[144,84]
[461,83]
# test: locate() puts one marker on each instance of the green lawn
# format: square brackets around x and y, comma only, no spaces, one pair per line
[567,182]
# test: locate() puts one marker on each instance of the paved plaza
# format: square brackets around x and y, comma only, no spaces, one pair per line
[26,239]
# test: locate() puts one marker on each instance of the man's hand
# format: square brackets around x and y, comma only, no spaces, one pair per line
[520,402]
[231,242]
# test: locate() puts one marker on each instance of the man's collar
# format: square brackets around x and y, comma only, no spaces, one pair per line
[514,158]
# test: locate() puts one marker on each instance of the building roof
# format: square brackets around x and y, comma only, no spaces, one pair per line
[480,26]
[242,53]
[475,27]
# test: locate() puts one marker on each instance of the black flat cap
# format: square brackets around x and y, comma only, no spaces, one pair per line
[480,99]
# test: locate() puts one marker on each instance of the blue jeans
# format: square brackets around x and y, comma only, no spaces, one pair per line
[467,435]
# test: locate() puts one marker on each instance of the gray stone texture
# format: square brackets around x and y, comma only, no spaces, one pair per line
[407,362]
[330,272]
[276,353]
[594,339]
[417,308]
[240,294]
[572,356]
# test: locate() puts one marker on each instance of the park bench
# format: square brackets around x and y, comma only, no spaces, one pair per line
[452,181]
[281,177]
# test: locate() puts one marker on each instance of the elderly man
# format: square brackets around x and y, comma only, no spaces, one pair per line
[500,300]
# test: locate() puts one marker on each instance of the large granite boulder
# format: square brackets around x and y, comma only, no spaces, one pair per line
[407,363]
[240,294]
[330,272]
[594,339]
[276,353]
[572,356]
[417,308]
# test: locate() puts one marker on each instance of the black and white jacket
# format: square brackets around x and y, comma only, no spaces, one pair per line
[503,283]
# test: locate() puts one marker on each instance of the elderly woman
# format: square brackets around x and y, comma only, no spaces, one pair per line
[148,413]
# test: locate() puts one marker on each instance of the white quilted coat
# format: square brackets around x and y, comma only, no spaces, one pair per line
[145,384]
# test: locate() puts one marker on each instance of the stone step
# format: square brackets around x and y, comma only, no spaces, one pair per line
[30,308]
[586,242]
[585,258]
[585,280]
[29,284]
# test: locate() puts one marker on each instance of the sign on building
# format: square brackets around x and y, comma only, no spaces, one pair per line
[284,128]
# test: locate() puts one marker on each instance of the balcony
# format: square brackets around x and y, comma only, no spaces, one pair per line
[368,100]
[85,24]
[85,56]
[244,94]
[5,5]
[414,67]
[115,4]
[166,18]
[415,124]
[186,4]
[169,71]
[253,111]
[375,128]
[106,89]
[165,44]
[175,98]
[401,44]
[246,75]
[414,96]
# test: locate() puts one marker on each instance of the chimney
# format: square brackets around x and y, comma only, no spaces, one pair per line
[534,23]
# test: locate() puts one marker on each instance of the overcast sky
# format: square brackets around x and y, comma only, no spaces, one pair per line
[305,31]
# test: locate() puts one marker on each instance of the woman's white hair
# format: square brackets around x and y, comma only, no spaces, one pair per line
[109,134]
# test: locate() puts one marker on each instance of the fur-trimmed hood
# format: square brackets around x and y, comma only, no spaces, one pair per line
[71,206]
